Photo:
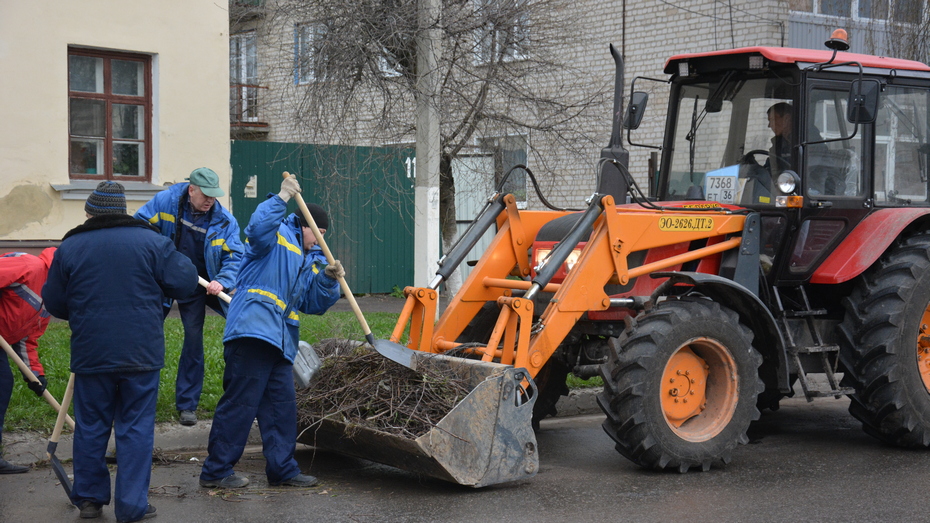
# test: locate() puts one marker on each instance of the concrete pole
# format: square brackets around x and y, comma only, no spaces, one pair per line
[426,227]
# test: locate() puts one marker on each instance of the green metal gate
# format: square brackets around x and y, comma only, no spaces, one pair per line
[367,192]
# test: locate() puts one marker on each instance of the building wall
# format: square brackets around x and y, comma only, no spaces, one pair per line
[654,31]
[188,40]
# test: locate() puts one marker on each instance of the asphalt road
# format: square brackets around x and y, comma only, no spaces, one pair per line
[806,462]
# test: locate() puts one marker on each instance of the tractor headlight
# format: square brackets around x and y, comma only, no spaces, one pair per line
[788,182]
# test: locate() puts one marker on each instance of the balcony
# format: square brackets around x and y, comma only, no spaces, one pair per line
[246,118]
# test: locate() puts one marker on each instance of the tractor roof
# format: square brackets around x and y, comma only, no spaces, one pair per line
[787,55]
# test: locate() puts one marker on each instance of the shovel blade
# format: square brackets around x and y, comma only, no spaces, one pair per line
[395,352]
[58,468]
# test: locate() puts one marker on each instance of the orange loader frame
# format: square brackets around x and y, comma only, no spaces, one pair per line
[515,340]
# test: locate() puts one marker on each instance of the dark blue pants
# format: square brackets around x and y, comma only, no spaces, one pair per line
[6,391]
[125,401]
[190,365]
[258,382]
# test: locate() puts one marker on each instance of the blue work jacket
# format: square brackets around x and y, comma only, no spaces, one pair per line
[222,248]
[109,278]
[277,279]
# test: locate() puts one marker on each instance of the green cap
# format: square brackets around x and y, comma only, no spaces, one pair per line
[208,182]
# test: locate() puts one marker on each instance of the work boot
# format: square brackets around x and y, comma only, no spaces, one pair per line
[8,468]
[90,510]
[300,480]
[231,481]
[188,418]
[149,513]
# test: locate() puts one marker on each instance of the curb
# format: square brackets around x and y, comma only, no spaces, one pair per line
[30,447]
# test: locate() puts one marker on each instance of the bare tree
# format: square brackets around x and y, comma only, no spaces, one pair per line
[505,70]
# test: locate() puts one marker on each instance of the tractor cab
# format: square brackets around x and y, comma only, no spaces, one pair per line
[815,141]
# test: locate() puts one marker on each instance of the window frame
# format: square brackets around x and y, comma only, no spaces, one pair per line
[109,100]
[316,31]
[243,77]
[495,44]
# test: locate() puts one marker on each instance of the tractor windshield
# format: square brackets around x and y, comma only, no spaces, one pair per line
[732,138]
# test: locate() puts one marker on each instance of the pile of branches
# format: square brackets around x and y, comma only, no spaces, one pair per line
[361,388]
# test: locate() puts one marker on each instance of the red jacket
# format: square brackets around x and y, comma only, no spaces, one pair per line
[23,317]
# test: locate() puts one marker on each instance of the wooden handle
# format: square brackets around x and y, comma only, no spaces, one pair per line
[32,377]
[330,259]
[223,296]
[65,403]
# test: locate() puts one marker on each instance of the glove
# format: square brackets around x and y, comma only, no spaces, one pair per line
[289,188]
[39,387]
[334,270]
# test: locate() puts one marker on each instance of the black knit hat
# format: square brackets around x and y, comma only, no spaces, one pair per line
[318,214]
[107,198]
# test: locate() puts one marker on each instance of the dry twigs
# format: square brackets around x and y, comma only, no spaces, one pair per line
[361,388]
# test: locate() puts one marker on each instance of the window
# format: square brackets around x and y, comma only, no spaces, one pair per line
[508,151]
[506,34]
[833,168]
[902,147]
[243,78]
[903,11]
[310,55]
[110,107]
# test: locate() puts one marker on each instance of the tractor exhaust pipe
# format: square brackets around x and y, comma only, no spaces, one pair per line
[610,180]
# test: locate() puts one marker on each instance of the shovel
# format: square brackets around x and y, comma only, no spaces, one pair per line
[390,350]
[32,377]
[56,433]
[223,296]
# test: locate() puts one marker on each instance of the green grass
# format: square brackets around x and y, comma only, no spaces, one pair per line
[29,412]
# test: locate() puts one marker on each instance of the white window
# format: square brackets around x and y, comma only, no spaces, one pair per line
[310,53]
[243,78]
[506,33]
[902,11]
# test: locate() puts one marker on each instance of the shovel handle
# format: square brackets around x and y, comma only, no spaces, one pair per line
[223,296]
[65,403]
[330,259]
[27,372]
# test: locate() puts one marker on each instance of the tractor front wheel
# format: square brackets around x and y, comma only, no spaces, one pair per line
[680,385]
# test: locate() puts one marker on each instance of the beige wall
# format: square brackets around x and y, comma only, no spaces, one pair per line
[188,40]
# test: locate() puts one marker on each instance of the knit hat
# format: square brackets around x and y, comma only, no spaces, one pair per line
[208,182]
[107,198]
[318,214]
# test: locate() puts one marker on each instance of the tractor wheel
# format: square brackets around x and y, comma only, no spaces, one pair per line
[885,351]
[680,386]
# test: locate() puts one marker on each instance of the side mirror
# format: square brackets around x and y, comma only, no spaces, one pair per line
[634,113]
[862,104]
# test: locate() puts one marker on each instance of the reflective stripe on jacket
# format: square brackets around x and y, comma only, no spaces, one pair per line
[276,279]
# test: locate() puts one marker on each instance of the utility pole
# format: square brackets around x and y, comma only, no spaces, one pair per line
[426,220]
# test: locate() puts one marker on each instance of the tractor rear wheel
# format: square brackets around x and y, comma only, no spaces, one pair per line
[885,339]
[680,385]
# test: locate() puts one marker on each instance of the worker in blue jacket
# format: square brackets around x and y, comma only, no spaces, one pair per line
[109,278]
[283,271]
[204,231]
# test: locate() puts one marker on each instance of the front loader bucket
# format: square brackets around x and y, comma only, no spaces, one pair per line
[486,438]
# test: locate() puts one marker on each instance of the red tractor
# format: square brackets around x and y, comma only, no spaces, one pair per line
[754,264]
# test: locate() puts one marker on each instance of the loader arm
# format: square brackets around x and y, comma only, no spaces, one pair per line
[617,233]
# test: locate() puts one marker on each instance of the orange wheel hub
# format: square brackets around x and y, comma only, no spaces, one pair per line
[923,349]
[699,389]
